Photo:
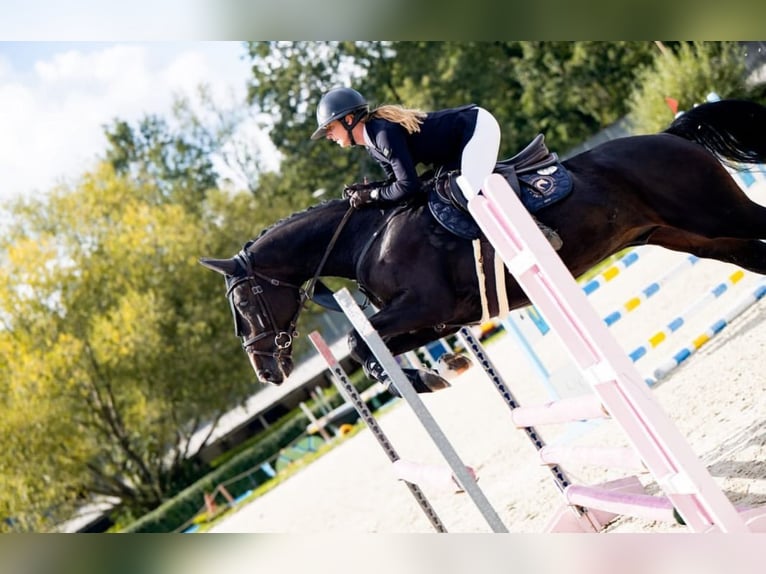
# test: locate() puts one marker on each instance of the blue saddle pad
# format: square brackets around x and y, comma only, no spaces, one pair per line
[545,186]
[539,189]
[452,218]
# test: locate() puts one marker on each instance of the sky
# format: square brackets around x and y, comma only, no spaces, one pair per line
[55,98]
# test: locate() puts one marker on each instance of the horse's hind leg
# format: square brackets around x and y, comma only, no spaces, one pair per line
[749,254]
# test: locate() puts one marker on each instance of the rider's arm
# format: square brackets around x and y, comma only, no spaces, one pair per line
[394,157]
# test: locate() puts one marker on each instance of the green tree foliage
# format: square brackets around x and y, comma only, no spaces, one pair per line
[202,145]
[686,73]
[574,89]
[115,344]
[179,164]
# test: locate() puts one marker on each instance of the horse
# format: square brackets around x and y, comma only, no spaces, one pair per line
[668,189]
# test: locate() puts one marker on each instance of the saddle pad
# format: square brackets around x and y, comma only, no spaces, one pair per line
[544,187]
[539,189]
[451,218]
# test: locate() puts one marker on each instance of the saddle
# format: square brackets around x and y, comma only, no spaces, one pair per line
[535,174]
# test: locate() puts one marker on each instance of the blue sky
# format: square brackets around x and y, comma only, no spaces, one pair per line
[56,96]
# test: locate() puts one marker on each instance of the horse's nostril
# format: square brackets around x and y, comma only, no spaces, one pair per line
[267,375]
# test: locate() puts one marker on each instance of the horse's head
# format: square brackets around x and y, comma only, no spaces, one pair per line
[265,312]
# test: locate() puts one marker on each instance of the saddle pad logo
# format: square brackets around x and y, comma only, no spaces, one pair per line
[544,187]
[544,184]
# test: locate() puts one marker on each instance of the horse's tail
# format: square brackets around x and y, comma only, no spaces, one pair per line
[733,130]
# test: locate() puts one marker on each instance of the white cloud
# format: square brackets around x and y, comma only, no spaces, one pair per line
[5,67]
[52,115]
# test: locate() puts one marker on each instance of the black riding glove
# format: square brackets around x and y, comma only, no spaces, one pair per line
[361,197]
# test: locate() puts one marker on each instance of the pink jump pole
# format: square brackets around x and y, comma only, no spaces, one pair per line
[613,377]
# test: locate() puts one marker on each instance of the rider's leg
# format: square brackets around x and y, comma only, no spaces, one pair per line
[479,159]
[480,153]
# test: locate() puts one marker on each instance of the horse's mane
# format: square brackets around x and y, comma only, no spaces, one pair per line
[300,214]
[419,199]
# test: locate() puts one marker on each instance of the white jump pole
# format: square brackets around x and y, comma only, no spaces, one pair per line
[378,348]
[349,392]
[613,377]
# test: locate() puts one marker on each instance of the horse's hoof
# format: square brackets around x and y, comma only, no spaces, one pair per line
[451,365]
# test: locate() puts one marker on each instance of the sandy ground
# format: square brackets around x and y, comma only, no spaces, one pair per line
[715,399]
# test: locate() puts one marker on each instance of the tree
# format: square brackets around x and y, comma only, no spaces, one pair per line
[115,344]
[686,74]
[571,90]
[200,146]
[179,164]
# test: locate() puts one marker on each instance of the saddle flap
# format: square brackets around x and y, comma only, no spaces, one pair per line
[535,175]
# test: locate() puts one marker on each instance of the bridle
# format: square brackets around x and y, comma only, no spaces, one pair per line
[283,339]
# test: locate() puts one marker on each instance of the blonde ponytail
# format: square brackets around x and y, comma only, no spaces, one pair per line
[409,119]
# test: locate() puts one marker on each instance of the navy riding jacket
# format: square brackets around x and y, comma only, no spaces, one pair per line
[439,143]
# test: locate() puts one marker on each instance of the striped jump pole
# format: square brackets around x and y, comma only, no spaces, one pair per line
[708,334]
[677,322]
[649,291]
[614,270]
[611,271]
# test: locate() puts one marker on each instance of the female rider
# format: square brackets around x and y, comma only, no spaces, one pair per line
[465,138]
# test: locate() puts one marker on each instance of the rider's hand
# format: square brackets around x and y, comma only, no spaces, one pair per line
[349,189]
[361,197]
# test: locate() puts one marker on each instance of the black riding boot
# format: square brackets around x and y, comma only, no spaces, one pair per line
[552,237]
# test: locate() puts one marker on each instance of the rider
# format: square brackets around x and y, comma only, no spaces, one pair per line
[465,138]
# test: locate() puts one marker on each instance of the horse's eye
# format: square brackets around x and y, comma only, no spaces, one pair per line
[243,303]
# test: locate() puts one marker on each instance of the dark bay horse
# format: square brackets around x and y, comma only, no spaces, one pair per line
[667,189]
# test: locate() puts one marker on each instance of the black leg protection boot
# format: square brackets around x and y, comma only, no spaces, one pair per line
[421,381]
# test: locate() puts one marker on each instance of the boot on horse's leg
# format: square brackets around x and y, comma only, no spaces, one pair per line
[421,381]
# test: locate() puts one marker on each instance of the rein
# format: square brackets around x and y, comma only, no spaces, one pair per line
[308,293]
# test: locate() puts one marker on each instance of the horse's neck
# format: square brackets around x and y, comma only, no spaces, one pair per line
[294,250]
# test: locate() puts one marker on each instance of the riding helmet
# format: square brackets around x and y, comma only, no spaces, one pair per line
[335,104]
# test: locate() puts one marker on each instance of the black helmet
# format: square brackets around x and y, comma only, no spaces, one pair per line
[337,103]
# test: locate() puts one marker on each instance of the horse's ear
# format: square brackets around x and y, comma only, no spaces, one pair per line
[222,266]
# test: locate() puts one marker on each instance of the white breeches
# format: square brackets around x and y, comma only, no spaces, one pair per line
[480,153]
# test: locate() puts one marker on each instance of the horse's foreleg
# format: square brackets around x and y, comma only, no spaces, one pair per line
[449,363]
[401,341]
